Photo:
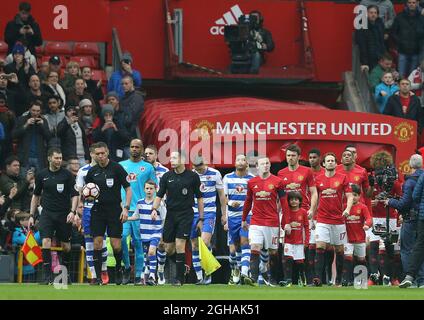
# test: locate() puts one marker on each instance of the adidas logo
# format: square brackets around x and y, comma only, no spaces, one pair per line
[229,18]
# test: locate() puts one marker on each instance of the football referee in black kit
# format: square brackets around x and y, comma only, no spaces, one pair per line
[56,188]
[107,213]
[180,186]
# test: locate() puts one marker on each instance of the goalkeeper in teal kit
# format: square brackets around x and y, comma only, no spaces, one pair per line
[139,171]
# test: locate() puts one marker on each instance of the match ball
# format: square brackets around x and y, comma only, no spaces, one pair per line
[90,191]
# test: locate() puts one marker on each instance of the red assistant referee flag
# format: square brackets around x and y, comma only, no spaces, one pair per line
[32,250]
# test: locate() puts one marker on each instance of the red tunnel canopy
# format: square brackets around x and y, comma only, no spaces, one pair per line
[220,128]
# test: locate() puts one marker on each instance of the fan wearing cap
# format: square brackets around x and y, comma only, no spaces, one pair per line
[72,137]
[23,27]
[55,63]
[20,65]
[113,132]
[89,118]
[115,80]
[27,56]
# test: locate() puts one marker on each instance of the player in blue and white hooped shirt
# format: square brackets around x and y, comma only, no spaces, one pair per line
[211,185]
[235,188]
[86,221]
[151,155]
[150,229]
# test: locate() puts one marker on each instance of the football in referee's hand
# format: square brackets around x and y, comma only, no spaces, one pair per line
[91,191]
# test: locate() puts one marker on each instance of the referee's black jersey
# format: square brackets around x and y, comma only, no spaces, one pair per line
[56,188]
[180,190]
[110,179]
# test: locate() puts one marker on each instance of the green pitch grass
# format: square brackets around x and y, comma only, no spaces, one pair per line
[211,292]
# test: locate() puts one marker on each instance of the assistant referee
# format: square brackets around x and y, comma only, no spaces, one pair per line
[107,213]
[55,187]
[180,186]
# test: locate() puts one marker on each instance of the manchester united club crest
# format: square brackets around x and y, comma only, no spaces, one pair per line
[404,132]
[404,167]
[300,178]
[336,184]
[356,178]
[358,211]
[204,129]
[239,189]
[271,187]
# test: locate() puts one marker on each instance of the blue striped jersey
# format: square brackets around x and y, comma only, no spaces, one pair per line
[209,182]
[235,188]
[148,228]
[82,173]
[160,170]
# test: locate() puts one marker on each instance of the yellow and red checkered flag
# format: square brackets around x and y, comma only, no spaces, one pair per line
[32,250]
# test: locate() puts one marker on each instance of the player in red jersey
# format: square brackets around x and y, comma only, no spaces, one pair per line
[314,158]
[352,148]
[263,192]
[299,178]
[355,174]
[331,230]
[378,257]
[357,222]
[295,240]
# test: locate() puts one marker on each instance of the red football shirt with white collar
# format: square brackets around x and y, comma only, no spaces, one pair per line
[299,227]
[298,180]
[331,192]
[263,195]
[359,215]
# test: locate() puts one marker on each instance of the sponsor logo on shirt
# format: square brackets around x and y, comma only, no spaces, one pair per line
[263,194]
[329,192]
[293,186]
[353,218]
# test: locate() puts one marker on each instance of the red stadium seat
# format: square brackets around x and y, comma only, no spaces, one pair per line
[39,51]
[99,75]
[86,49]
[59,48]
[3,46]
[85,61]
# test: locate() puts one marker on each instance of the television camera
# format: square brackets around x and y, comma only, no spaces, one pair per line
[385,178]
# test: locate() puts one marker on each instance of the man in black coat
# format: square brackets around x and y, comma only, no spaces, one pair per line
[73,140]
[408,33]
[405,104]
[371,40]
[23,28]
[33,134]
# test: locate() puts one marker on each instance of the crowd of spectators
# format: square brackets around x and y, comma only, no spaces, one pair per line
[53,105]
[397,88]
